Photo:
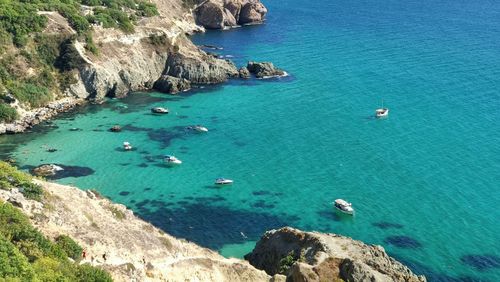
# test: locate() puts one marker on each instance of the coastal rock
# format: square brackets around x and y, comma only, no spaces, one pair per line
[326,257]
[115,128]
[16,198]
[210,15]
[264,69]
[47,170]
[172,85]
[252,13]
[244,73]
[234,7]
[202,69]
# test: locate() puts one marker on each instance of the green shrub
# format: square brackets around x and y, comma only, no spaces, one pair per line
[7,113]
[10,178]
[12,262]
[69,247]
[87,273]
[286,263]
[34,95]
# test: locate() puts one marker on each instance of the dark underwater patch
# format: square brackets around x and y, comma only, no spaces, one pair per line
[387,225]
[402,241]
[68,171]
[124,193]
[239,143]
[147,189]
[143,165]
[481,262]
[261,193]
[329,214]
[210,199]
[212,226]
[182,117]
[185,107]
[263,205]
[165,136]
[134,128]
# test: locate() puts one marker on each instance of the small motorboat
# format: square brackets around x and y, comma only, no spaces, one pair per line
[127,146]
[382,112]
[223,181]
[343,206]
[171,160]
[199,128]
[159,110]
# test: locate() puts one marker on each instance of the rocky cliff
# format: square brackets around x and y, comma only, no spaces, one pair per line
[312,256]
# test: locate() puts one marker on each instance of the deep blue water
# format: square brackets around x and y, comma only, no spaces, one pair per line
[424,182]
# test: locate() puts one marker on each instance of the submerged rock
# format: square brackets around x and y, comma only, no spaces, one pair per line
[264,69]
[315,256]
[47,170]
[115,128]
[172,85]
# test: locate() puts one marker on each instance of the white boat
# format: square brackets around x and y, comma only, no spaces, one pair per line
[127,146]
[343,206]
[223,181]
[159,110]
[382,112]
[171,160]
[200,128]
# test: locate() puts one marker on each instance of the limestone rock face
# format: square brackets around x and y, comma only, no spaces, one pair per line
[252,12]
[326,257]
[172,85]
[264,69]
[47,170]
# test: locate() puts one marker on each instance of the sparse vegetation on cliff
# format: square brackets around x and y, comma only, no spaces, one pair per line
[27,255]
[10,178]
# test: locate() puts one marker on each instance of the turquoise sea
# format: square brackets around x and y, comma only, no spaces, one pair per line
[424,182]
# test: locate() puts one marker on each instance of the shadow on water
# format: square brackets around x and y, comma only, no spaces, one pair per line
[210,226]
[68,171]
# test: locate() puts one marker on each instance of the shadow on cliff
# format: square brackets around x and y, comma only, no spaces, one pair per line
[210,226]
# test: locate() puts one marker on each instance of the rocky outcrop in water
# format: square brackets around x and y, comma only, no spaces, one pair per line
[311,256]
[204,69]
[264,69]
[172,85]
[219,14]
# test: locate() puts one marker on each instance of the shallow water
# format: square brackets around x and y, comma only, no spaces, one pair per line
[424,182]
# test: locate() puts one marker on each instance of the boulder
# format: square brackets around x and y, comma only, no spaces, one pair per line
[244,73]
[252,13]
[210,15]
[264,69]
[46,170]
[234,7]
[115,128]
[172,85]
[204,69]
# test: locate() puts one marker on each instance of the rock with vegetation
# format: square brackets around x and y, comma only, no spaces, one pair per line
[46,170]
[116,128]
[312,256]
[264,69]
[172,85]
